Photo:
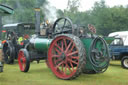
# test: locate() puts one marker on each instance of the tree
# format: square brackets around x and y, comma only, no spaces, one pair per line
[23,10]
[72,10]
[107,19]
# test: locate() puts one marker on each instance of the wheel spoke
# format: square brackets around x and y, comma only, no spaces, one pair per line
[72,53]
[71,48]
[64,24]
[24,65]
[72,66]
[57,51]
[59,64]
[65,43]
[24,60]
[55,56]
[75,57]
[68,47]
[57,60]
[69,69]
[58,46]
[73,61]
[62,45]
[62,67]
[65,69]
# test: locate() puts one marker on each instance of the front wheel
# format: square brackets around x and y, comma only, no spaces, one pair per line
[9,53]
[23,60]
[124,62]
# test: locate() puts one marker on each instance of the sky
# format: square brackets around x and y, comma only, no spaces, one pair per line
[86,4]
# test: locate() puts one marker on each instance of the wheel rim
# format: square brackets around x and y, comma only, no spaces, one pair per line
[126,63]
[99,55]
[47,63]
[7,53]
[66,23]
[22,60]
[63,57]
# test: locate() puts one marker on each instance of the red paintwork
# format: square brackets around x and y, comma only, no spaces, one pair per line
[4,41]
[63,68]
[23,63]
[3,30]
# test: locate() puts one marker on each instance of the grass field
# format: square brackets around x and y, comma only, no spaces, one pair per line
[39,74]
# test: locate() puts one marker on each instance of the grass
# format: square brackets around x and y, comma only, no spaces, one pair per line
[39,74]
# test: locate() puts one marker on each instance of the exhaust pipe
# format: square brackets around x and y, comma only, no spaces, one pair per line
[37,21]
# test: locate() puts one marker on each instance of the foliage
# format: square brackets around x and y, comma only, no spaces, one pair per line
[106,19]
[23,10]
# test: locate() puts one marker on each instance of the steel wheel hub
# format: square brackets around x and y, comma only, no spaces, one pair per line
[22,60]
[126,62]
[63,56]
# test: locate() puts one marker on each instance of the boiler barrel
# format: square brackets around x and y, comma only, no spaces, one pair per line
[42,44]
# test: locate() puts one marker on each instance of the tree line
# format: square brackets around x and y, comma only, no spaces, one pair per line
[105,19]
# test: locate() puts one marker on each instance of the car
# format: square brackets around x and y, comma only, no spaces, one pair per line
[119,47]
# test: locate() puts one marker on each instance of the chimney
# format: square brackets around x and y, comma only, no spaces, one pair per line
[37,21]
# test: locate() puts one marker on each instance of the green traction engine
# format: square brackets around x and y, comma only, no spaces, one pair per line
[68,50]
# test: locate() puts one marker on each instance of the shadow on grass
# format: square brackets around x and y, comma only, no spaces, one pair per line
[115,65]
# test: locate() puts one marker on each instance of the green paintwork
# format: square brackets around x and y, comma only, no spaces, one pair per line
[0,44]
[109,39]
[4,10]
[42,44]
[87,44]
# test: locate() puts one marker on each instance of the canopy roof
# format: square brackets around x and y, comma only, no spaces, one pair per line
[5,10]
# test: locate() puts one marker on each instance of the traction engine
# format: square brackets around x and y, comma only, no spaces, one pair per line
[68,52]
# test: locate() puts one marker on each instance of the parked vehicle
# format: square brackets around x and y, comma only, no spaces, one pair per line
[4,11]
[15,36]
[67,49]
[119,47]
[68,52]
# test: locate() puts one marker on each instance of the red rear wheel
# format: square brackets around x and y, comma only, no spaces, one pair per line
[23,59]
[65,56]
[47,64]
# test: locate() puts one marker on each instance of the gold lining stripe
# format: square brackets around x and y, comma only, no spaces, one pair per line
[37,9]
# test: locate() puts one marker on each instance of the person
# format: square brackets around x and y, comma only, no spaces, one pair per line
[23,39]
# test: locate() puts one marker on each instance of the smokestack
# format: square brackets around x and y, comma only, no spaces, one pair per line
[1,26]
[37,20]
